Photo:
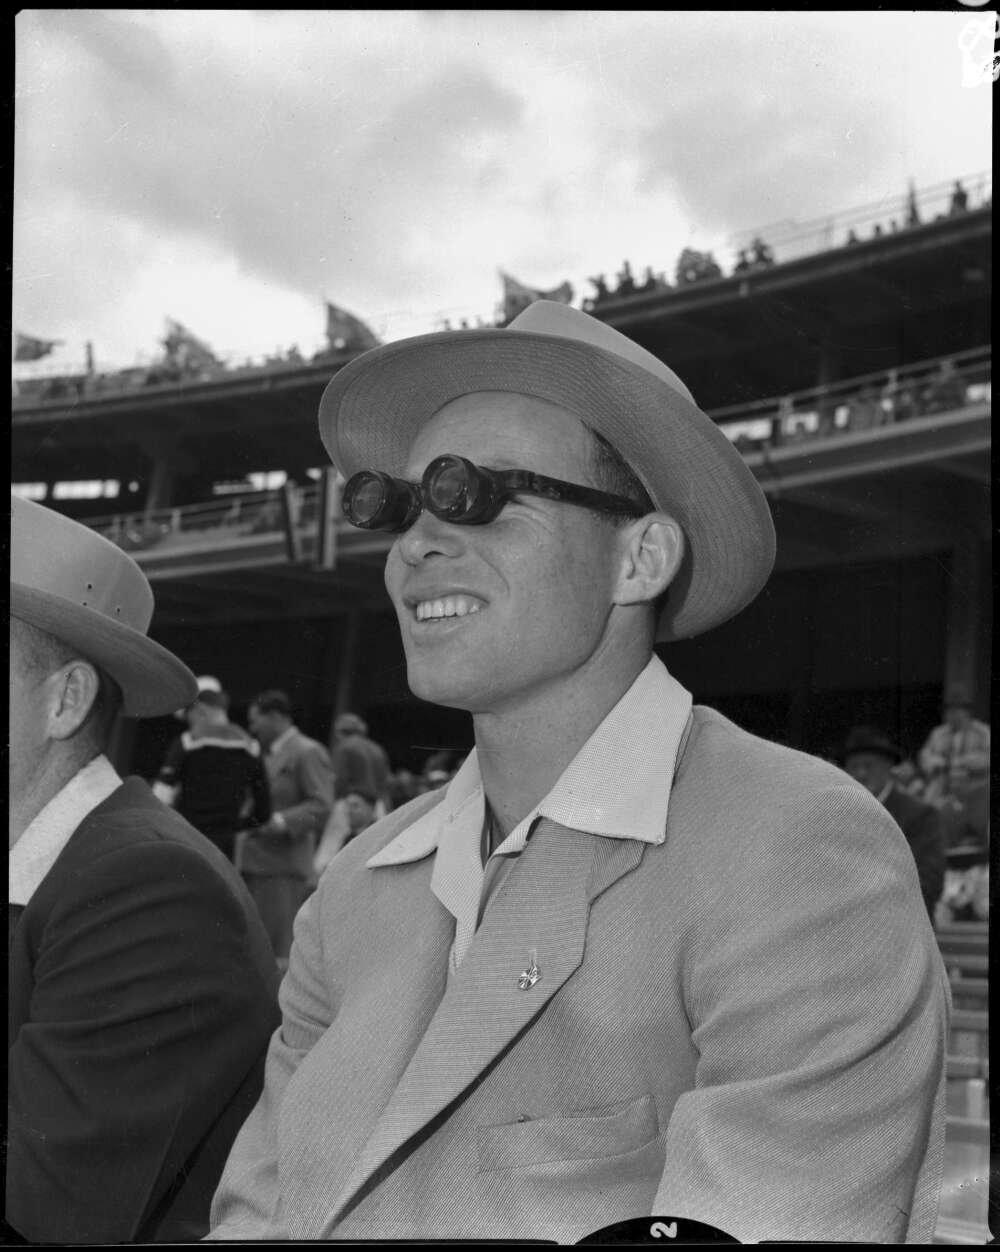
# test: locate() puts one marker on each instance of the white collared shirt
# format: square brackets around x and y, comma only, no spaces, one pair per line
[47,834]
[618,785]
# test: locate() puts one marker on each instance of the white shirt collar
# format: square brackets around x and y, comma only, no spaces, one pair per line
[618,784]
[44,838]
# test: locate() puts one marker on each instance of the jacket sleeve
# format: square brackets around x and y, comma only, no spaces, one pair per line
[148,1013]
[260,792]
[248,1202]
[314,776]
[819,1012]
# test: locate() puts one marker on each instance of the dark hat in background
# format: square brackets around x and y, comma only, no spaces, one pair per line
[872,740]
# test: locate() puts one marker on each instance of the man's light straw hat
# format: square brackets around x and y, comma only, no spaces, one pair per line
[70,581]
[374,407]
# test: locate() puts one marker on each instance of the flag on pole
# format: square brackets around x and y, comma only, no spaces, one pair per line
[347,333]
[517,297]
[185,350]
[912,213]
[28,348]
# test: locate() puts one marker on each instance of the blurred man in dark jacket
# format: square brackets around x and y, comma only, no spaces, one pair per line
[213,773]
[869,756]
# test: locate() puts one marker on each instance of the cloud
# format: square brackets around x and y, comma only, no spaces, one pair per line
[393,159]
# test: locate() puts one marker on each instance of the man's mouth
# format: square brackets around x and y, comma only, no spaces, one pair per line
[449,606]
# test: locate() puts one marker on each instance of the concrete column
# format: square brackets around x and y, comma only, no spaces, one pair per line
[826,373]
[348,664]
[968,588]
[161,482]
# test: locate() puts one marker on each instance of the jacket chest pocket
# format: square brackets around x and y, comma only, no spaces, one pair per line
[580,1137]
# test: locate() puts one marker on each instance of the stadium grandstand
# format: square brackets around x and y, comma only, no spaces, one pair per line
[848,359]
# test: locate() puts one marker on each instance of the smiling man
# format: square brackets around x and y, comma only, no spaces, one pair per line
[632,960]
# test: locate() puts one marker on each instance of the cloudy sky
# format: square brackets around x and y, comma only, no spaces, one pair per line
[231,169]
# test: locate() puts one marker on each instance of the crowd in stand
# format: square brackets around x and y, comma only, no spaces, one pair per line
[694,266]
[870,407]
[939,797]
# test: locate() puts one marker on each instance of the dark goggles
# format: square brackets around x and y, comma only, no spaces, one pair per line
[455,490]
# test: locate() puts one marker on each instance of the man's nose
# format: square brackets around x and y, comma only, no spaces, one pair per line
[429,536]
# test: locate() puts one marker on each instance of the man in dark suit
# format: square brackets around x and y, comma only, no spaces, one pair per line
[869,756]
[141,988]
[277,858]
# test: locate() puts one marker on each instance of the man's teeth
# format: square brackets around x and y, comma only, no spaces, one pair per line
[453,606]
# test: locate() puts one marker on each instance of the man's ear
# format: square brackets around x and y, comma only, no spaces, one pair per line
[71,691]
[652,552]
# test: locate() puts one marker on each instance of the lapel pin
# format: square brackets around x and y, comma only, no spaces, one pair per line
[528,977]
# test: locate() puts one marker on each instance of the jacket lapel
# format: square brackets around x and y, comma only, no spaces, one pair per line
[541,911]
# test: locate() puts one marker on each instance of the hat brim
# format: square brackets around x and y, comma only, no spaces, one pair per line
[374,407]
[153,681]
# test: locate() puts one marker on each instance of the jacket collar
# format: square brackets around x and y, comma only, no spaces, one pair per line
[618,785]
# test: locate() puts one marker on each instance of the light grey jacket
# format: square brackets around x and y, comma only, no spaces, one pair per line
[745,1025]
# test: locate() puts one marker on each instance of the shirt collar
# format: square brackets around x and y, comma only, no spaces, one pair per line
[618,784]
[47,834]
[281,740]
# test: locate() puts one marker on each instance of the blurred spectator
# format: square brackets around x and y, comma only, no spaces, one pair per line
[945,391]
[869,756]
[900,399]
[877,231]
[955,759]
[966,895]
[213,774]
[762,254]
[864,410]
[358,762]
[694,266]
[626,282]
[959,198]
[908,778]
[601,288]
[651,281]
[276,858]
[741,262]
[851,238]
[351,815]
[402,788]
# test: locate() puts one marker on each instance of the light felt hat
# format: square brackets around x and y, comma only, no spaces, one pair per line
[70,581]
[374,407]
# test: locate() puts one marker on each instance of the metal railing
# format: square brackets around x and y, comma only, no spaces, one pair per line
[789,240]
[772,422]
[875,399]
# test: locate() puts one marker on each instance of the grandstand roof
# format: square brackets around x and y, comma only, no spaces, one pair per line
[916,294]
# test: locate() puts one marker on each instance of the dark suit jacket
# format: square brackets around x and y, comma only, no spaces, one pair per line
[921,824]
[142,993]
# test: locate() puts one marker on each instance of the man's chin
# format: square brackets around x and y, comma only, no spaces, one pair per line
[444,689]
